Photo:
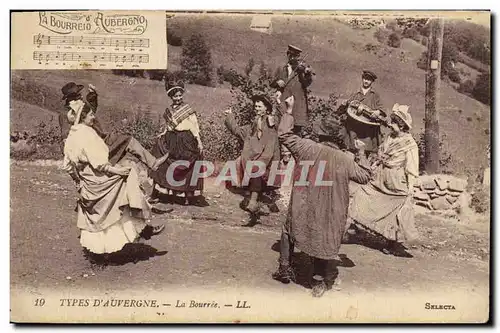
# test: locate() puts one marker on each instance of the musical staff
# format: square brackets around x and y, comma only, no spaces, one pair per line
[90,56]
[41,39]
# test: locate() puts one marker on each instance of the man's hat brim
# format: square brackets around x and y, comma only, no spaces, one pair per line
[73,90]
[263,99]
[370,75]
[293,48]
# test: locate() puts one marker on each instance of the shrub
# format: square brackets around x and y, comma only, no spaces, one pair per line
[174,75]
[142,127]
[466,87]
[424,41]
[249,67]
[43,143]
[220,74]
[393,26]
[196,61]
[394,40]
[482,89]
[412,33]
[223,145]
[449,56]
[454,75]
[422,61]
[481,200]
[154,74]
[382,35]
[233,77]
[173,39]
[264,71]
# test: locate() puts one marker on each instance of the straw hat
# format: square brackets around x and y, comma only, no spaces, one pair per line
[402,112]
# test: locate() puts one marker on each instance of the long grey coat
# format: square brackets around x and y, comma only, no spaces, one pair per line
[318,214]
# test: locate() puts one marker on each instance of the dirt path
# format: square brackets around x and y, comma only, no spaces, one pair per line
[213,248]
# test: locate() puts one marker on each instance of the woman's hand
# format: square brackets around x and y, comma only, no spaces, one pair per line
[359,145]
[121,170]
[289,104]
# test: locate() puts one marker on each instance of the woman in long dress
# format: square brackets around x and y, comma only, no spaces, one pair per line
[385,204]
[181,140]
[112,209]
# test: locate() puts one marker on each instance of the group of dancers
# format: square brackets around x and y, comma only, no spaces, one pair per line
[114,210]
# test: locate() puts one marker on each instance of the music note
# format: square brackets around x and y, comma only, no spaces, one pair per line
[38,40]
[104,57]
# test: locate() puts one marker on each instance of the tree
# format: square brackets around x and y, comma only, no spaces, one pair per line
[249,67]
[394,40]
[482,89]
[449,57]
[196,61]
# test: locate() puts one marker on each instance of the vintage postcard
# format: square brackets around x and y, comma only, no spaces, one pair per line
[250,167]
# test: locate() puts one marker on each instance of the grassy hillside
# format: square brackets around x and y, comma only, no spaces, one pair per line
[119,96]
[337,52]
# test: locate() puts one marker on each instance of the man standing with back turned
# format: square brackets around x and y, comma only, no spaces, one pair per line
[317,212]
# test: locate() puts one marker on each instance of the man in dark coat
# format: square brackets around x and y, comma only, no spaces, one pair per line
[317,212]
[293,79]
[370,135]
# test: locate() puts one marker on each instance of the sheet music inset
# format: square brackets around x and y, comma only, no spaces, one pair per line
[89,40]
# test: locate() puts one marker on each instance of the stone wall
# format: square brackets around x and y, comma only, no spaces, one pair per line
[440,192]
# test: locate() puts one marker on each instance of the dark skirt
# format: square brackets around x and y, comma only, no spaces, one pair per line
[181,145]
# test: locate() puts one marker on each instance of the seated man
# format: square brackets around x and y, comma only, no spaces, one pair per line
[260,143]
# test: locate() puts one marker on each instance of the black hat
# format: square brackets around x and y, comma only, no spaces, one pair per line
[328,126]
[369,75]
[174,85]
[71,88]
[264,99]
[294,49]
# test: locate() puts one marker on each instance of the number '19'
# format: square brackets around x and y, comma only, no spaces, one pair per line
[39,302]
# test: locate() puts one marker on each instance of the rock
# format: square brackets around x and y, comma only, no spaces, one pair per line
[428,184]
[487,177]
[421,196]
[442,183]
[441,192]
[440,203]
[433,195]
[457,184]
[451,199]
[425,204]
[454,194]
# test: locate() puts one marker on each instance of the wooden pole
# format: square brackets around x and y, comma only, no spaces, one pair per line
[432,85]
